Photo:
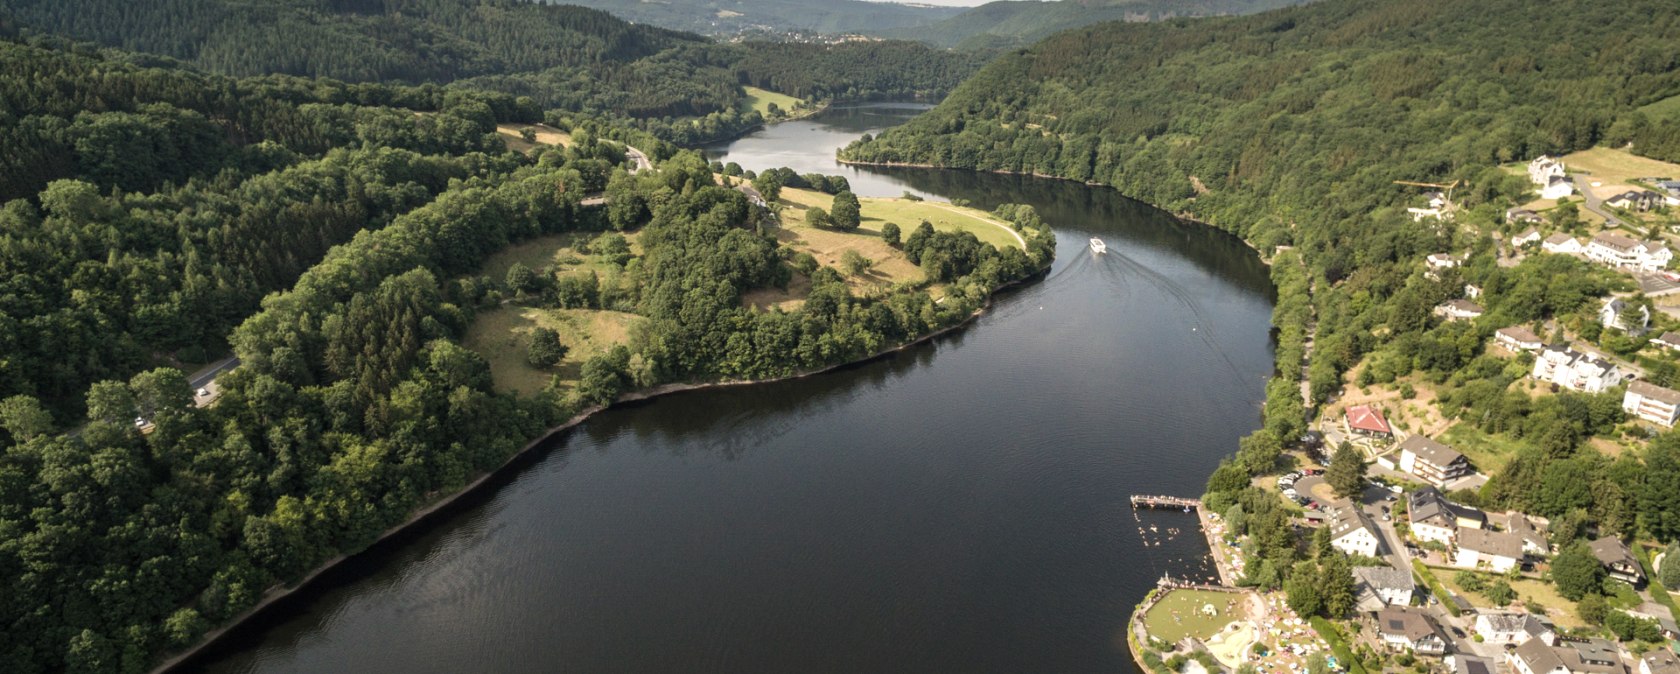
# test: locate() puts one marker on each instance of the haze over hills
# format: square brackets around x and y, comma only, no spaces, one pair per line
[732,17]
[1012,22]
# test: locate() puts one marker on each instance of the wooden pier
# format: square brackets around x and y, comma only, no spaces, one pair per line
[1173,502]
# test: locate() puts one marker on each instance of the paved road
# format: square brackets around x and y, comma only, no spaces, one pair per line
[642,163]
[205,380]
[1594,204]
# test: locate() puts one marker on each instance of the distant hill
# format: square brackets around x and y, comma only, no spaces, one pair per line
[1018,22]
[733,17]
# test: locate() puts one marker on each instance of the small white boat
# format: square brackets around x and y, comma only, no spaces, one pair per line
[1097,245]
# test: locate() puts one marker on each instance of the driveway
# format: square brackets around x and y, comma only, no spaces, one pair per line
[1593,203]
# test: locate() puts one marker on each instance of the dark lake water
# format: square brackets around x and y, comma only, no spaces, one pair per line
[960,507]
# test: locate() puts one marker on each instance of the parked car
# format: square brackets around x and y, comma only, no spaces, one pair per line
[1289,493]
[139,422]
[203,392]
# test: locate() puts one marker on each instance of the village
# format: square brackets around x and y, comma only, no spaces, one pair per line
[1442,585]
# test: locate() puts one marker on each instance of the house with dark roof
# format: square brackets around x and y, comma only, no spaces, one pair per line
[1591,656]
[1381,586]
[1653,403]
[1534,533]
[1431,461]
[1635,200]
[1496,551]
[1368,421]
[1618,559]
[1353,532]
[1535,656]
[1668,340]
[1633,319]
[1404,628]
[1660,661]
[1471,664]
[1433,518]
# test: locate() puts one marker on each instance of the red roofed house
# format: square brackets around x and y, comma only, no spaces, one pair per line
[1366,420]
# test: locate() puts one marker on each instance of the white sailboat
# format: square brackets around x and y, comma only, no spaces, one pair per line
[1097,245]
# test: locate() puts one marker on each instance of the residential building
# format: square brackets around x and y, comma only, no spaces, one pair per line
[1404,628]
[1543,168]
[1513,628]
[1623,252]
[1367,421]
[1617,313]
[1532,530]
[1562,244]
[1523,215]
[1574,370]
[1660,661]
[1517,338]
[1535,656]
[1388,585]
[1433,518]
[1472,291]
[1635,200]
[1618,560]
[1496,551]
[1652,403]
[1668,340]
[1443,261]
[1556,188]
[1353,532]
[1471,664]
[1431,461]
[1459,310]
[1591,656]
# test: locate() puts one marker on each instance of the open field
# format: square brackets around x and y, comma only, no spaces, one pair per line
[546,135]
[1617,167]
[1487,453]
[1668,108]
[501,336]
[562,251]
[760,100]
[1180,614]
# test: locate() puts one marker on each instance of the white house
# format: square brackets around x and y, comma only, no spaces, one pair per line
[1615,314]
[1402,628]
[1513,628]
[1353,532]
[1528,236]
[1443,260]
[1556,188]
[1496,551]
[1433,518]
[1562,244]
[1431,461]
[1472,291]
[1459,310]
[1574,370]
[1658,405]
[1517,338]
[1543,168]
[1622,252]
[1533,531]
[1387,585]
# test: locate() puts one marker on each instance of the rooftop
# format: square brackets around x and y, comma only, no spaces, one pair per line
[1406,622]
[1611,550]
[1649,390]
[1520,333]
[1431,451]
[1367,418]
[1384,577]
[1490,542]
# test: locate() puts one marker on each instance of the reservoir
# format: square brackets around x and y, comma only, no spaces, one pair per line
[960,506]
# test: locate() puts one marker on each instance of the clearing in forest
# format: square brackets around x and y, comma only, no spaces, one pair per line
[513,135]
[501,335]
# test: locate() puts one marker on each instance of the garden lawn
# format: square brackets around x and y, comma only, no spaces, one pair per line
[501,336]
[1186,607]
[1558,609]
[1617,166]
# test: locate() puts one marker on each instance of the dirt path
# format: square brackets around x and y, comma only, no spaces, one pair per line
[1006,228]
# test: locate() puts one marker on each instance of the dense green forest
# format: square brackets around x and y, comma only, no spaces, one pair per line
[1288,129]
[153,212]
[680,86]
[1021,22]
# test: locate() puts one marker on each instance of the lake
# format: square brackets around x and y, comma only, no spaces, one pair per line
[957,507]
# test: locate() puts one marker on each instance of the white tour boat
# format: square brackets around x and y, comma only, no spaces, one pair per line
[1097,245]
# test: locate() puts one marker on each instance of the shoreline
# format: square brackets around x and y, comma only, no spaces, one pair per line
[280,592]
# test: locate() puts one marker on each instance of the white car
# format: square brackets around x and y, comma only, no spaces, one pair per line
[1290,493]
[203,392]
[139,422]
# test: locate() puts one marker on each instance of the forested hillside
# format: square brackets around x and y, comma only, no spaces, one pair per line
[1289,128]
[679,86]
[1020,22]
[734,17]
